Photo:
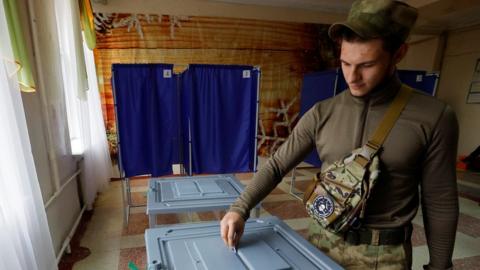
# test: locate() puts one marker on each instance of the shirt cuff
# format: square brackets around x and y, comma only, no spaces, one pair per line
[243,213]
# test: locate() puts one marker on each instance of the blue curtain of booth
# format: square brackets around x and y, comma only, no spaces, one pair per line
[316,86]
[219,108]
[147,117]
[155,112]
[417,79]
[321,85]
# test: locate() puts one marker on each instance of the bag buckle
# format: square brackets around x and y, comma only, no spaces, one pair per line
[367,152]
[375,240]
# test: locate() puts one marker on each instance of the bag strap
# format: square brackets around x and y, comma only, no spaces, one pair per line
[373,145]
[310,188]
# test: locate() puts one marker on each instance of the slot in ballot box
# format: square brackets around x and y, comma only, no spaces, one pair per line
[267,244]
[192,194]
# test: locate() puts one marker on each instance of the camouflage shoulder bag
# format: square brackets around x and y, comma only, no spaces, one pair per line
[337,196]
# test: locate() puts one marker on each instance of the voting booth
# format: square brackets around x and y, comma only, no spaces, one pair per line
[203,120]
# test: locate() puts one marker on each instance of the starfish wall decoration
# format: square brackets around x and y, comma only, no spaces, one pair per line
[105,22]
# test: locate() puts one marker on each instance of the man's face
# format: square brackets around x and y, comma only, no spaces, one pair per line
[365,64]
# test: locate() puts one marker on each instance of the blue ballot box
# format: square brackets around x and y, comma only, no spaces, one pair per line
[191,194]
[267,244]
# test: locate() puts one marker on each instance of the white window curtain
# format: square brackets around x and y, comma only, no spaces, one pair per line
[98,165]
[85,119]
[73,68]
[24,232]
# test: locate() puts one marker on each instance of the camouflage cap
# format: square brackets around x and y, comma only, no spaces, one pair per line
[377,18]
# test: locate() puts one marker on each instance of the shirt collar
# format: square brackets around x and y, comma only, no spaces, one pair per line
[381,94]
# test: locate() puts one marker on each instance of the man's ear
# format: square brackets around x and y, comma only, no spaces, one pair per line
[400,53]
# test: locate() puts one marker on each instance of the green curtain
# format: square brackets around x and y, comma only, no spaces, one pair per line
[25,76]
[86,17]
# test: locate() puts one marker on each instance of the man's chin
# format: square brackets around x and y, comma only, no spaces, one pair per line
[359,92]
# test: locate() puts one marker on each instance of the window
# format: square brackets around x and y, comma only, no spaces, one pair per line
[73,68]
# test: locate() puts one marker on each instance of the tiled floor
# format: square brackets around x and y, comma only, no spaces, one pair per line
[113,247]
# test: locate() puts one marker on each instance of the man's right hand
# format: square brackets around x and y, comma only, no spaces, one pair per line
[231,229]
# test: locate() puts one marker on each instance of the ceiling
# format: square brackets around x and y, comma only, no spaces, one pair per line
[435,16]
[338,6]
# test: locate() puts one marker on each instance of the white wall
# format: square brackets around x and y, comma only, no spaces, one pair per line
[461,53]
[424,53]
[454,55]
[47,122]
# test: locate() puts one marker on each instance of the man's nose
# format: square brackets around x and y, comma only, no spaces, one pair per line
[353,76]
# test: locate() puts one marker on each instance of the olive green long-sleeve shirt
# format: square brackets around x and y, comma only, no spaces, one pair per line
[419,151]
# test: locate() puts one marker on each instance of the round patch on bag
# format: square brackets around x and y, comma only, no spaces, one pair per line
[323,206]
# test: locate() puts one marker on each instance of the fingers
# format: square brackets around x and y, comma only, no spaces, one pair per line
[230,236]
[231,229]
[224,231]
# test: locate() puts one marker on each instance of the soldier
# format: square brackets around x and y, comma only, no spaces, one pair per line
[420,150]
